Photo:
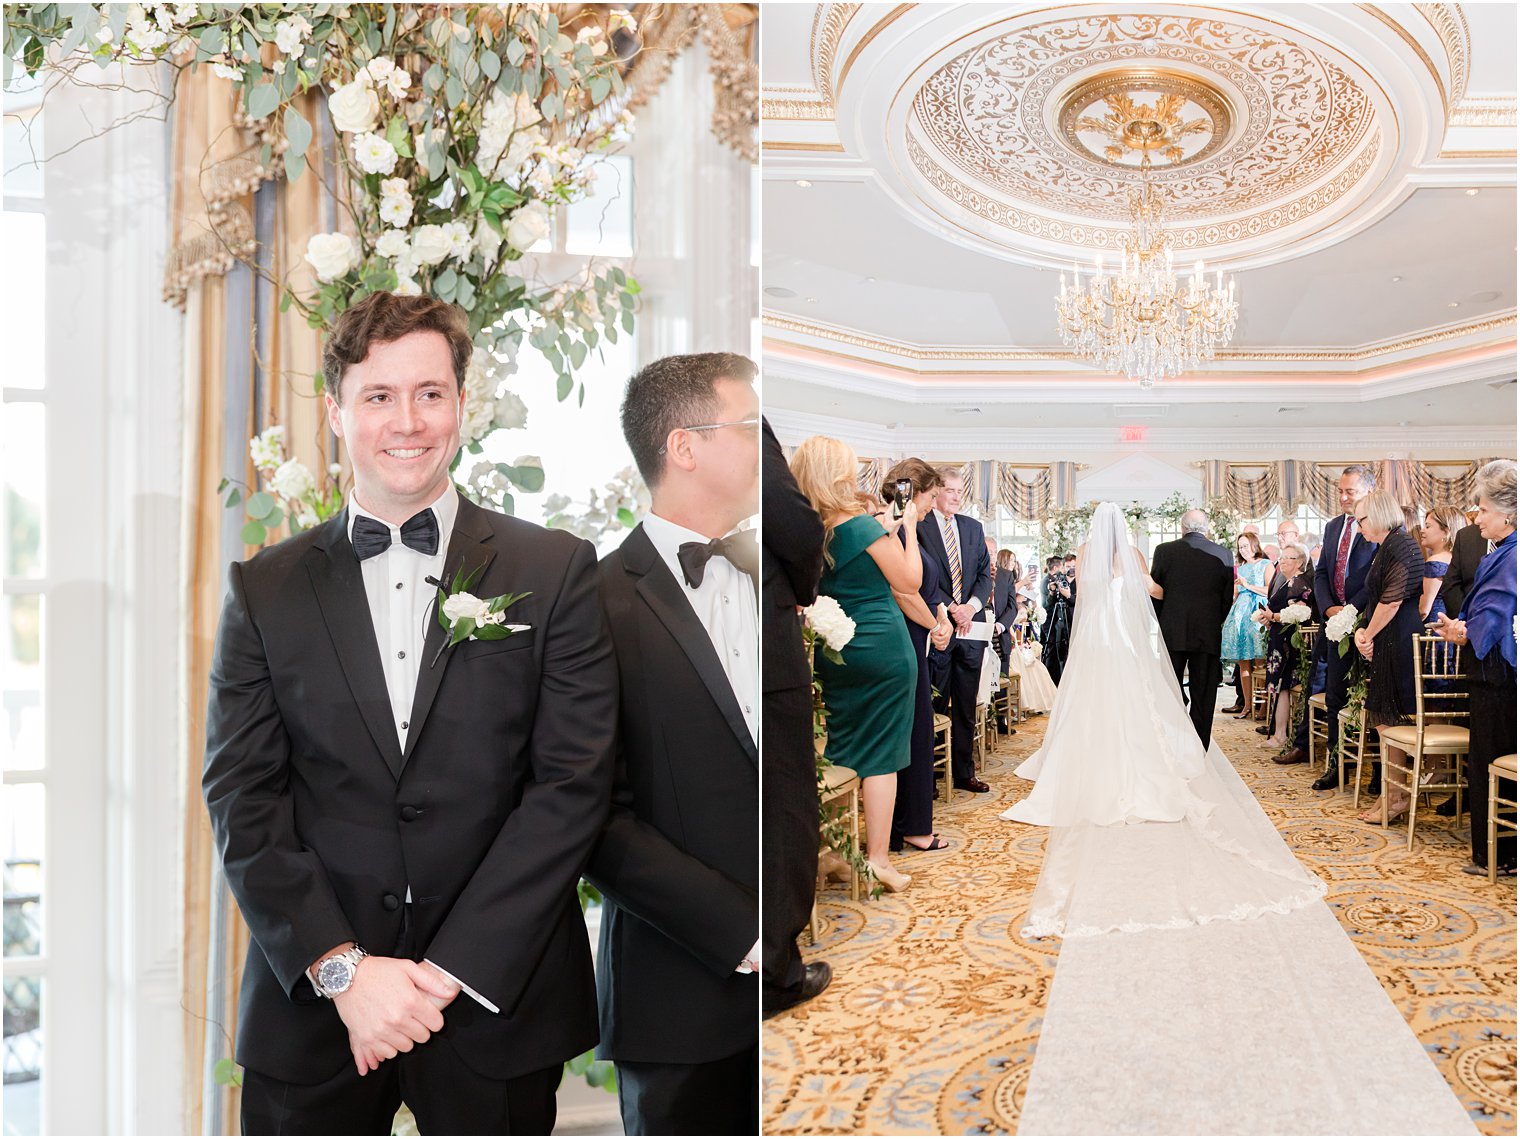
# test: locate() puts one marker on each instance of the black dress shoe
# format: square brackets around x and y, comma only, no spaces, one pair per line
[815,978]
[1448,809]
[1231,710]
[974,785]
[1329,781]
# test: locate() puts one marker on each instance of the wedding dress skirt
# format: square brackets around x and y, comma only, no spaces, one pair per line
[1149,831]
[1037,692]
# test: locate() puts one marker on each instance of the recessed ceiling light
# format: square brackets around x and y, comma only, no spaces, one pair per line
[1471,193]
[1451,304]
[1396,279]
[779,291]
[804,183]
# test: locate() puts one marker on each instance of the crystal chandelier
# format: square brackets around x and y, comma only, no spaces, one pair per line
[1140,317]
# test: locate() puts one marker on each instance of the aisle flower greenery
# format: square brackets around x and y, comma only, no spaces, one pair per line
[458,131]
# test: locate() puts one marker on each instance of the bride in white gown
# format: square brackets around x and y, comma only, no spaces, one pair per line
[1147,829]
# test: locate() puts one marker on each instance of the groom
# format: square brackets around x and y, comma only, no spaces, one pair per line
[964,582]
[1195,578]
[403,822]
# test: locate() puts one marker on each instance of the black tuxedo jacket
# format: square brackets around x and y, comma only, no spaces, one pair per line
[1199,581]
[1468,548]
[1357,564]
[679,860]
[976,565]
[791,536]
[324,822]
[1004,598]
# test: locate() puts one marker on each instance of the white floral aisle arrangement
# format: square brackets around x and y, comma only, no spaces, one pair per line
[1339,627]
[459,131]
[1295,613]
[831,626]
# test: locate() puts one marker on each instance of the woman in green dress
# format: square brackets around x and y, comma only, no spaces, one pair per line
[870,697]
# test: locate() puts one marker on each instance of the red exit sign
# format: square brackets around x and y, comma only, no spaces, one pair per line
[1132,434]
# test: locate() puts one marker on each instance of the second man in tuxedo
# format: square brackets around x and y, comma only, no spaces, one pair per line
[678,862]
[958,547]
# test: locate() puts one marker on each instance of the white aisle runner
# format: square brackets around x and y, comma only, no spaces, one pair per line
[1269,1026]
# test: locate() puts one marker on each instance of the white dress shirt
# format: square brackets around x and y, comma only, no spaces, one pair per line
[727,604]
[401,608]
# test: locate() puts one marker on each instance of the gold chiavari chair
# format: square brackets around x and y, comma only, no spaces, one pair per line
[1309,634]
[942,751]
[1355,735]
[1439,703]
[841,793]
[1501,768]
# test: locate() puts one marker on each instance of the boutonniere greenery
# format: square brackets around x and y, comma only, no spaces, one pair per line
[466,617]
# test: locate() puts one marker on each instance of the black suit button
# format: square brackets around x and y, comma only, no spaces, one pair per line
[409,813]
[390,903]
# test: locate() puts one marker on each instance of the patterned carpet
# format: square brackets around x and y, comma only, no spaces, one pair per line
[932,1019]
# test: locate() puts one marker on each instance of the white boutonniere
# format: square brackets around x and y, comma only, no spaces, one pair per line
[469,618]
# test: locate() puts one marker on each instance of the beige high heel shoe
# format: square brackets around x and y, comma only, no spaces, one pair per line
[891,880]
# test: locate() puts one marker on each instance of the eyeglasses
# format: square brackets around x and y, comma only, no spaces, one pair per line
[752,422]
[1361,519]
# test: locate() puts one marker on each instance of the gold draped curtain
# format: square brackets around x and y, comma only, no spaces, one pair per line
[1290,482]
[246,366]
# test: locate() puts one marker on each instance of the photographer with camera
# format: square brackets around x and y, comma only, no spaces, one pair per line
[1060,596]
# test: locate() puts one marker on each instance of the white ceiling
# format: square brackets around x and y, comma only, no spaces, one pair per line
[1491,70]
[826,240]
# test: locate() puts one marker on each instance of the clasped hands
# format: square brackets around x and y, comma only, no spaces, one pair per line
[1450,629]
[392,1005]
[1363,641]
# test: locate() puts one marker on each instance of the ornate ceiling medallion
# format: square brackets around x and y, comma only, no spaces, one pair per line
[1118,117]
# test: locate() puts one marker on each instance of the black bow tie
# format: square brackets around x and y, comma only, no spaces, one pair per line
[420,532]
[740,549]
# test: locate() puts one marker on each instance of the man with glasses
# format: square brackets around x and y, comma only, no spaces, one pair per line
[679,860]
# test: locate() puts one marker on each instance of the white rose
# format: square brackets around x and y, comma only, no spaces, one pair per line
[828,619]
[461,243]
[392,243]
[291,480]
[407,265]
[222,71]
[331,255]
[487,240]
[396,211]
[511,413]
[394,188]
[379,69]
[354,107]
[407,287]
[398,82]
[529,225]
[374,154]
[267,450]
[290,34]
[430,244]
[461,606]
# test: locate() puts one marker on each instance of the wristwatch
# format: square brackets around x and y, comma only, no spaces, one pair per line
[334,975]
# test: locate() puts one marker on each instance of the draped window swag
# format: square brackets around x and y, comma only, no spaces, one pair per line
[1288,483]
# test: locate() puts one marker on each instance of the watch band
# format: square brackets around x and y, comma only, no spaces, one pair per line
[352,955]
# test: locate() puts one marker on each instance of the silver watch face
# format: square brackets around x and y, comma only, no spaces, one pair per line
[335,974]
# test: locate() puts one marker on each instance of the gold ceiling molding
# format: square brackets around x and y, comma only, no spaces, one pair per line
[807,147]
[1106,118]
[1451,26]
[829,21]
[796,110]
[987,114]
[1202,237]
[1414,46]
[1359,354]
[1484,111]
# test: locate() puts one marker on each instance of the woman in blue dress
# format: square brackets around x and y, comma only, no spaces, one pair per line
[1241,641]
[1436,536]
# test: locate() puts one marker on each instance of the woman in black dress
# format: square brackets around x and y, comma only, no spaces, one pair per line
[1293,582]
[1394,582]
[913,815]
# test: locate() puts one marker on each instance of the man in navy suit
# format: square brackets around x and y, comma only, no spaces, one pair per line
[1340,579]
[958,547]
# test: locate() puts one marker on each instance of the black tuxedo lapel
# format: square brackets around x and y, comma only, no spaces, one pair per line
[469,547]
[664,596]
[339,585]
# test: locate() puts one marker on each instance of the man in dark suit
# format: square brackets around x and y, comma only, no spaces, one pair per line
[958,548]
[791,560]
[1340,579]
[400,816]
[1197,586]
[1468,548]
[679,861]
